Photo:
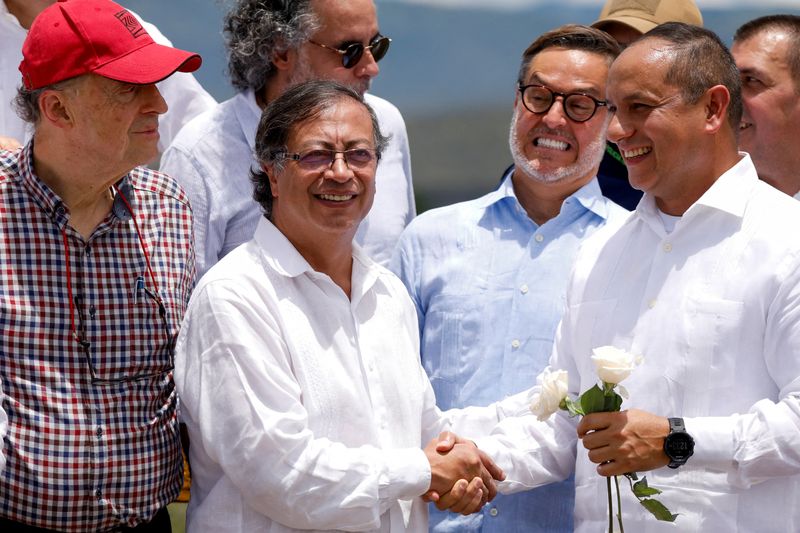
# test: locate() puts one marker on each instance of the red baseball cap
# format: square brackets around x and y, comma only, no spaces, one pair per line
[75,37]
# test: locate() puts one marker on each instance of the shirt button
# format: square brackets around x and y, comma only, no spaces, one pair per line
[523,289]
[493,511]
[60,210]
[515,343]
[98,493]
[92,311]
[651,304]
[667,247]
[539,237]
[99,431]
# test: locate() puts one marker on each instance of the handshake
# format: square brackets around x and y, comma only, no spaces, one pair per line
[462,477]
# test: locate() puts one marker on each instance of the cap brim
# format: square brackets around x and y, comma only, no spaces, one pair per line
[149,64]
[637,24]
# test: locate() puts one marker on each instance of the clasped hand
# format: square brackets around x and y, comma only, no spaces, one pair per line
[462,476]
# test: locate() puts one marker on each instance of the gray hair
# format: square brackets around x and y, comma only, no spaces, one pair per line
[26,102]
[255,30]
[303,102]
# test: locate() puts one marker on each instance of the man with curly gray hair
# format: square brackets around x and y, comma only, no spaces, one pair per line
[274,45]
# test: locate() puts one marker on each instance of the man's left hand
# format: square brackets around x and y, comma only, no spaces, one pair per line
[627,441]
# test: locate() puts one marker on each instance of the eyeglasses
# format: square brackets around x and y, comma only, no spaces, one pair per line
[578,107]
[351,52]
[151,298]
[321,159]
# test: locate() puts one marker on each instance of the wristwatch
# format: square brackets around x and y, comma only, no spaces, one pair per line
[678,445]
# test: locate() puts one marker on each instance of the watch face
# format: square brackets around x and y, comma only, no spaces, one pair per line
[679,446]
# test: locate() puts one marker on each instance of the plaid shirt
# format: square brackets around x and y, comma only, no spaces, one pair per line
[84,456]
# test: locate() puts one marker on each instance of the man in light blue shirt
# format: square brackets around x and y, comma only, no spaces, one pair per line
[488,277]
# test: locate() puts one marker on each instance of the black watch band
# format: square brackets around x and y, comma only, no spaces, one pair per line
[678,445]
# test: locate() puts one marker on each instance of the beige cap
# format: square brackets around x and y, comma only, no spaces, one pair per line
[644,15]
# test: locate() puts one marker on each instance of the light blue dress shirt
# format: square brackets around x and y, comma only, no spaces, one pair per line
[489,287]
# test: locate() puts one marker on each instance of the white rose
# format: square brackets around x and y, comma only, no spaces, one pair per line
[547,396]
[614,365]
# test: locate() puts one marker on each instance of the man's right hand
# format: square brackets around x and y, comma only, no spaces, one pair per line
[460,470]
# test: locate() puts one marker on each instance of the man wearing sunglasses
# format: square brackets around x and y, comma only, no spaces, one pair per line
[488,276]
[274,45]
[97,270]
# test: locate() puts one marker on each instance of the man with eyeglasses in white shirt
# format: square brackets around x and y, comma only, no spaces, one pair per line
[273,45]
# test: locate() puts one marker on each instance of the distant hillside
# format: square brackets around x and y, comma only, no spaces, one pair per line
[451,73]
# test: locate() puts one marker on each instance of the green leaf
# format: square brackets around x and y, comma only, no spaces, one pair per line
[642,490]
[571,406]
[658,510]
[612,402]
[593,400]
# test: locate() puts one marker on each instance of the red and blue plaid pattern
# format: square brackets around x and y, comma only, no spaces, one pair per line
[84,457]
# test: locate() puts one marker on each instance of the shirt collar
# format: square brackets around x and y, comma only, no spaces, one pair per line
[590,197]
[248,114]
[53,205]
[729,193]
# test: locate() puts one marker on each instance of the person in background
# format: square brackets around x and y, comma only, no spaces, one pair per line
[767,52]
[183,94]
[97,270]
[297,364]
[488,276]
[626,21]
[272,46]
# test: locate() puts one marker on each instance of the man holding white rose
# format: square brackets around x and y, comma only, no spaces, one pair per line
[704,282]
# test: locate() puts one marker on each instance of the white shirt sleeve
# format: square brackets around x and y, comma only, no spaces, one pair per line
[244,409]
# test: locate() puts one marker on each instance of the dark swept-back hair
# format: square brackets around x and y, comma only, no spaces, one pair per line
[256,29]
[301,103]
[571,37]
[699,61]
[790,25]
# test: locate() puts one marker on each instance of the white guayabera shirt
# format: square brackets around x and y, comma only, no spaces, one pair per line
[306,410]
[714,307]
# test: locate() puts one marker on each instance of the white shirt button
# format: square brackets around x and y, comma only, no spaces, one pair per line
[515,343]
[539,237]
[651,304]
[667,247]
[524,289]
[493,511]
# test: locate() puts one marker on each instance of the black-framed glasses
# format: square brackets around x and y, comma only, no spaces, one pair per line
[153,299]
[578,107]
[322,159]
[351,52]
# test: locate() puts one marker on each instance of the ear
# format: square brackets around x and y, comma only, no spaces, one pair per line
[716,100]
[284,60]
[55,109]
[269,169]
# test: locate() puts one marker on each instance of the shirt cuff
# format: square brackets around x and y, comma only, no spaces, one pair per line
[407,475]
[713,441]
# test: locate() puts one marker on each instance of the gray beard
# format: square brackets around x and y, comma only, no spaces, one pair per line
[591,156]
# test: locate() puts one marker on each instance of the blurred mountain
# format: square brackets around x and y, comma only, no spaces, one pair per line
[451,72]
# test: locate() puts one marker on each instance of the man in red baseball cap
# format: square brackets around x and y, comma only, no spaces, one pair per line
[98,265]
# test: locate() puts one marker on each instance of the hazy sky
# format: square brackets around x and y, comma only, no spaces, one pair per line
[511,4]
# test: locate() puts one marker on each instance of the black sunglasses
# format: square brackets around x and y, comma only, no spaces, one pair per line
[351,53]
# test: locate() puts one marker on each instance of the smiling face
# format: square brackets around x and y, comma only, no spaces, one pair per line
[310,207]
[549,147]
[660,135]
[771,108]
[341,22]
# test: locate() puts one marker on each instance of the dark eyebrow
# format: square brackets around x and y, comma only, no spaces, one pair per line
[592,91]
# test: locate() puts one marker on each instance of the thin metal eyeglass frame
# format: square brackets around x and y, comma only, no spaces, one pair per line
[353,52]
